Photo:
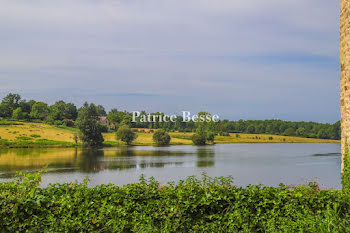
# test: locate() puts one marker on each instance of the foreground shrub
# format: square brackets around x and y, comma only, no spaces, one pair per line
[161,138]
[346,171]
[207,205]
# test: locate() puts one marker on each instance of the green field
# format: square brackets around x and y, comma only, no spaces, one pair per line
[28,134]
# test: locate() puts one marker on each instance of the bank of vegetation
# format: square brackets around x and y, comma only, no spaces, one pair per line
[192,205]
[91,125]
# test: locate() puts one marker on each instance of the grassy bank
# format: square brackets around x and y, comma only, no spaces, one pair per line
[207,205]
[24,134]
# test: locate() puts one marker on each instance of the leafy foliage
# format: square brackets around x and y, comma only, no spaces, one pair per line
[346,171]
[199,139]
[161,138]
[67,112]
[192,205]
[89,127]
[125,134]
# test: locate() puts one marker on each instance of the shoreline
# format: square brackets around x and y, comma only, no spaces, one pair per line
[24,146]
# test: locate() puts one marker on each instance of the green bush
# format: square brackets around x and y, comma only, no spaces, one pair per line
[125,134]
[161,138]
[103,128]
[206,205]
[35,136]
[198,139]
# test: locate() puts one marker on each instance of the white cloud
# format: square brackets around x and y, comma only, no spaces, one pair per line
[174,48]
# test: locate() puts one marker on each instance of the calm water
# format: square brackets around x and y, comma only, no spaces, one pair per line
[268,164]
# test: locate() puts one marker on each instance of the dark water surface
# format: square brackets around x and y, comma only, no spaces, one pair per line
[268,164]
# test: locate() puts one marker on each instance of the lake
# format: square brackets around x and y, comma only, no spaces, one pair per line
[268,164]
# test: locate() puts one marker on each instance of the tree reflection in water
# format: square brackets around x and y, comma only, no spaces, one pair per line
[205,156]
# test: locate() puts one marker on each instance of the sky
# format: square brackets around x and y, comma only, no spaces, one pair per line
[239,59]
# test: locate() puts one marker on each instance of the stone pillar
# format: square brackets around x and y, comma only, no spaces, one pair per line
[345,73]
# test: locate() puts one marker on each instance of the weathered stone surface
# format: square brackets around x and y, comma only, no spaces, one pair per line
[345,73]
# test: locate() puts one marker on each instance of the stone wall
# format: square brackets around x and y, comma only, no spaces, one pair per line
[345,72]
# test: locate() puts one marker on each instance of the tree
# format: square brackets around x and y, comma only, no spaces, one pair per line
[300,131]
[161,138]
[5,110]
[9,104]
[61,111]
[210,137]
[127,120]
[289,132]
[70,111]
[261,128]
[113,116]
[101,110]
[205,129]
[199,139]
[39,111]
[12,100]
[322,134]
[89,127]
[251,129]
[18,114]
[125,134]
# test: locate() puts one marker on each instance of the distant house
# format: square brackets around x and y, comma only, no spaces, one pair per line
[103,120]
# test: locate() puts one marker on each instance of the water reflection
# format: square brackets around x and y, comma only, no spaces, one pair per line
[328,154]
[205,157]
[268,164]
[96,160]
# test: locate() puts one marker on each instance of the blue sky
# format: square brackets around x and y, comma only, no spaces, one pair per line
[249,59]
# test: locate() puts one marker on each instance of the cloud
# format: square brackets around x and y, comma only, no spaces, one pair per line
[243,59]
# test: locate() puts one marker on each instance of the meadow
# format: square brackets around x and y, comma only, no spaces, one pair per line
[30,134]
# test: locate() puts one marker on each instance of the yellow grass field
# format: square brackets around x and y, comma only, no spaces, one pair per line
[45,131]
[35,131]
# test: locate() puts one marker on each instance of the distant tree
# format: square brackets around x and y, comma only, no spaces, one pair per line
[101,110]
[113,116]
[335,131]
[127,120]
[18,114]
[9,104]
[289,132]
[13,100]
[70,111]
[300,131]
[251,129]
[206,129]
[5,110]
[56,111]
[161,138]
[39,111]
[210,137]
[61,111]
[283,128]
[261,128]
[322,134]
[125,134]
[89,127]
[199,139]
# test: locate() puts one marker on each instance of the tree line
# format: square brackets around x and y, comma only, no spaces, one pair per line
[62,113]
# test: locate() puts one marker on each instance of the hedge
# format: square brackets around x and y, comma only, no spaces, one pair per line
[192,205]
